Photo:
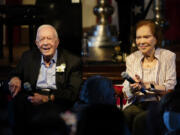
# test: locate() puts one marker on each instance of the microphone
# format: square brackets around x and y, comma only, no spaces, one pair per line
[125,76]
[1,84]
[28,88]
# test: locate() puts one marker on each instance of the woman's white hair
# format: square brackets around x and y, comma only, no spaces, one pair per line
[45,26]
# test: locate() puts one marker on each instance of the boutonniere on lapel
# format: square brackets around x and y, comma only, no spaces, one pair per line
[61,68]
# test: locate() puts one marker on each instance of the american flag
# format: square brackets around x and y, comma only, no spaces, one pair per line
[137,10]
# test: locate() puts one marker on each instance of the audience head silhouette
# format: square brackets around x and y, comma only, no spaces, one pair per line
[97,90]
[170,110]
[101,119]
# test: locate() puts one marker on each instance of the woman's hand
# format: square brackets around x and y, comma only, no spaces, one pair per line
[138,83]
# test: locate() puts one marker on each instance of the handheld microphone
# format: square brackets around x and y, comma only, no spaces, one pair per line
[129,79]
[1,83]
[28,88]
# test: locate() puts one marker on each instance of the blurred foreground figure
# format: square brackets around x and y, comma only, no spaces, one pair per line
[170,112]
[101,119]
[96,90]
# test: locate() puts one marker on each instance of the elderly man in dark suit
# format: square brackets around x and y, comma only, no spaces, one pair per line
[51,75]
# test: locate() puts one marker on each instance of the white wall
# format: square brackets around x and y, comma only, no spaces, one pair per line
[88,17]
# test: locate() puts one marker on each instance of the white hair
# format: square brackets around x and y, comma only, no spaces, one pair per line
[45,26]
